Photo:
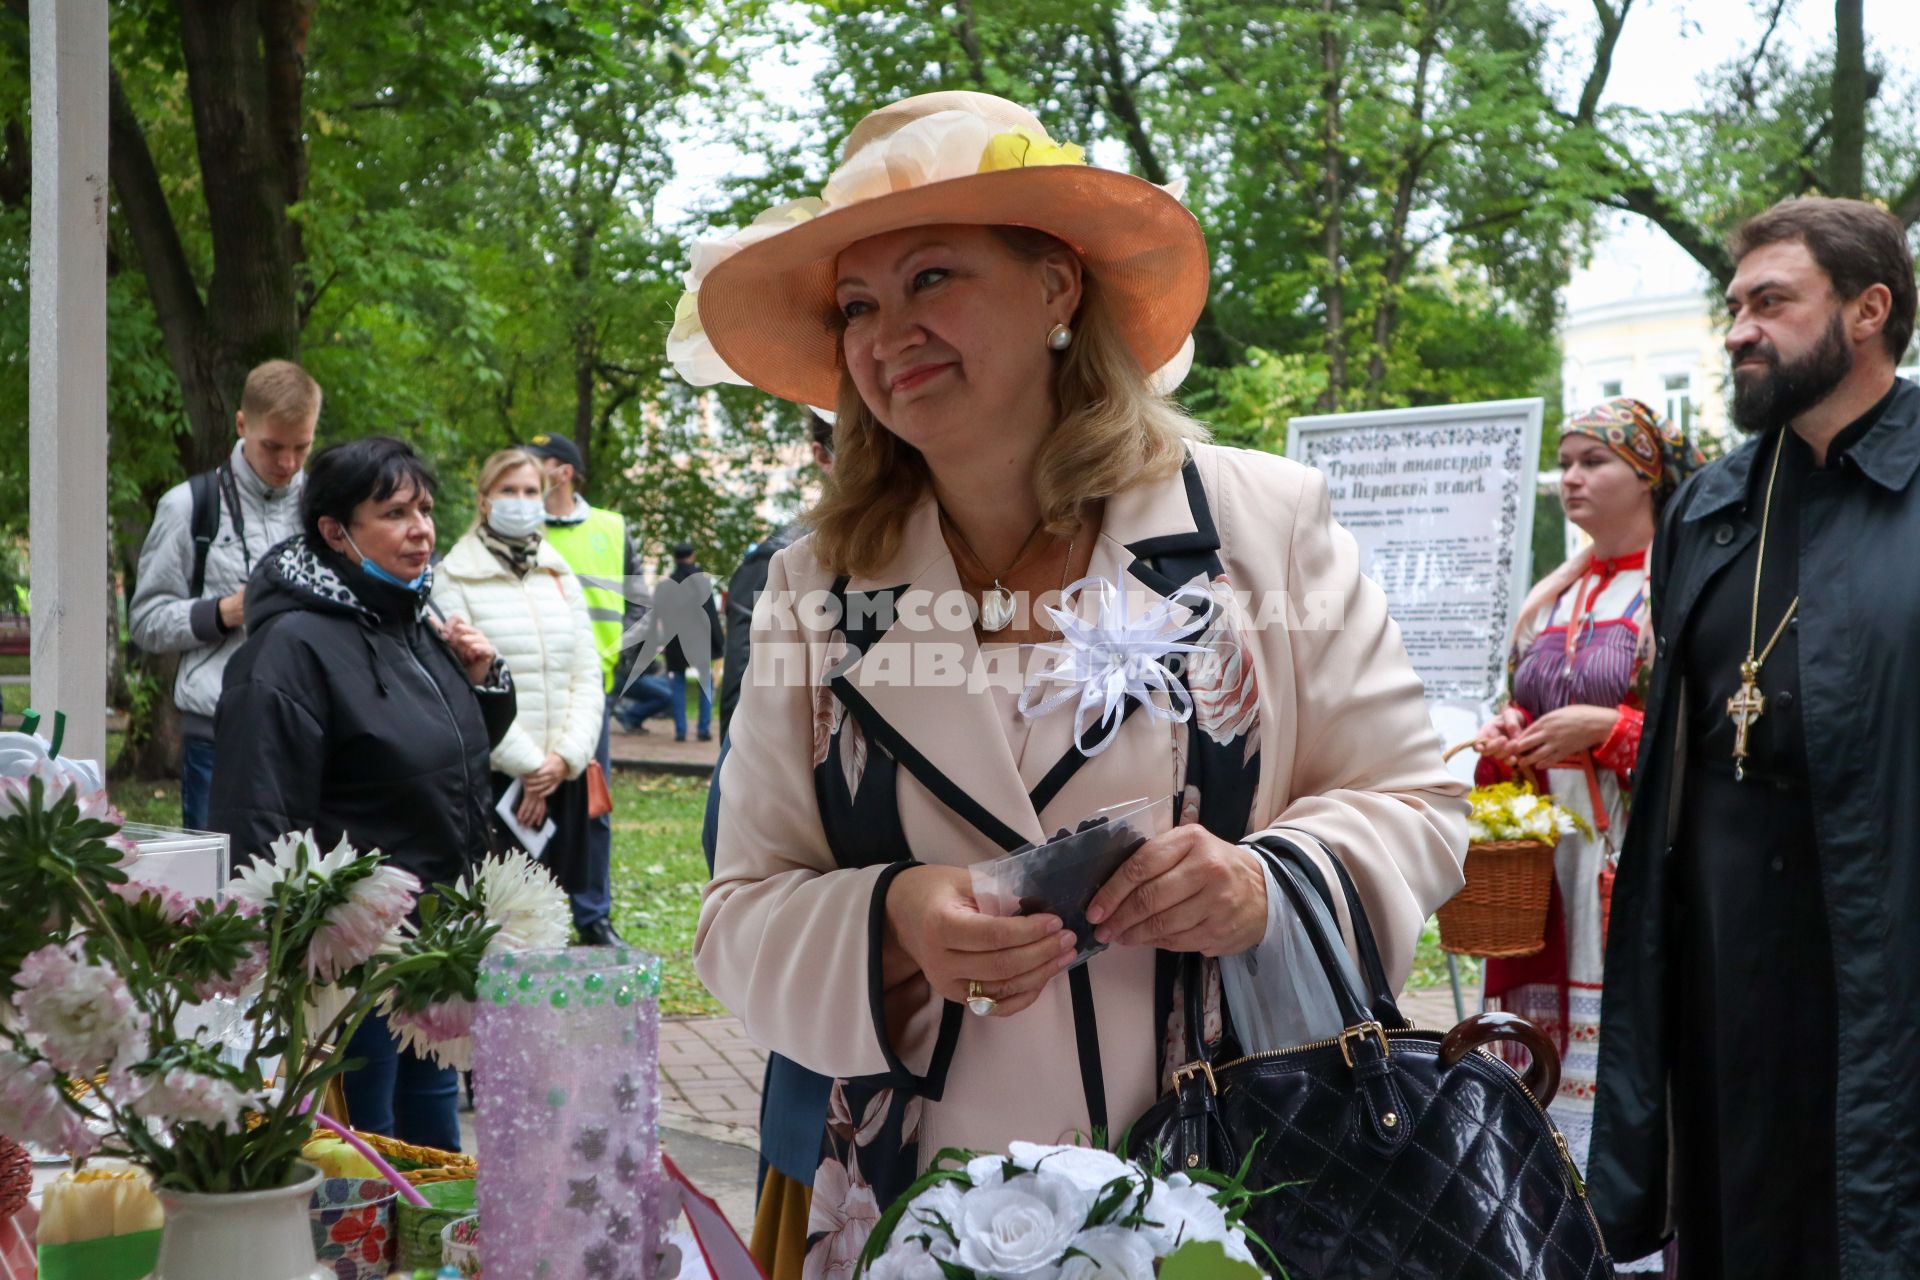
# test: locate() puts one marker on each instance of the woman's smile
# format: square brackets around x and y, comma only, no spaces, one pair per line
[918,376]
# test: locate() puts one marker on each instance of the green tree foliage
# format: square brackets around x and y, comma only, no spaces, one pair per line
[1837,122]
[1379,183]
[444,213]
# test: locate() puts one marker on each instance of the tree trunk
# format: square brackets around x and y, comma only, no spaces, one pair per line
[242,129]
[1332,196]
[969,36]
[586,346]
[1212,346]
[245,64]
[1846,168]
[1386,315]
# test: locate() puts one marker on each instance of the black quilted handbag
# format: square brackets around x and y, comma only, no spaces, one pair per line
[1387,1151]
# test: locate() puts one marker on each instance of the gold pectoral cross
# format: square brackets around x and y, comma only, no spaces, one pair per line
[1743,708]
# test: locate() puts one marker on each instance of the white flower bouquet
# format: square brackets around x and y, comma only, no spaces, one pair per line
[1060,1213]
[101,980]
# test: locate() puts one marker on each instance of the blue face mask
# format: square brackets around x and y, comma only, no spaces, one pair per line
[374,571]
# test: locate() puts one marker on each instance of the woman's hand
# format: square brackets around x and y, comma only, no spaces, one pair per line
[1187,890]
[1496,736]
[1563,734]
[541,782]
[532,810]
[934,927]
[472,650]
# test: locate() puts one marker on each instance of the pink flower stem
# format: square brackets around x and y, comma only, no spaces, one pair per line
[406,1189]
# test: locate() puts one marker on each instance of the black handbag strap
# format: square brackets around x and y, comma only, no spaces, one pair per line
[1323,933]
[1373,971]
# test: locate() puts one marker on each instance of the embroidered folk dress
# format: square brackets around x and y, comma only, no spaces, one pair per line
[1584,650]
[1313,736]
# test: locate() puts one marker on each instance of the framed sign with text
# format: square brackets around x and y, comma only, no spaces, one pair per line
[1440,500]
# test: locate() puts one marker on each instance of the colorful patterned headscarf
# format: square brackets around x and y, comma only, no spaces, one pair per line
[1645,441]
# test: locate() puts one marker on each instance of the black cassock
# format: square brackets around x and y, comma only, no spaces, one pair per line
[1759,1077]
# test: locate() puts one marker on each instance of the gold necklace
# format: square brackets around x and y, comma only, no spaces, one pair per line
[1749,704]
[996,602]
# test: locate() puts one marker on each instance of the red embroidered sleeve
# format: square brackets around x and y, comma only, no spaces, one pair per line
[1622,746]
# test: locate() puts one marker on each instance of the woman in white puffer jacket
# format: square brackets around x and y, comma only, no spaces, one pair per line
[505,579]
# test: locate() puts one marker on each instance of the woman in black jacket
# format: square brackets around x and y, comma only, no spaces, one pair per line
[354,712]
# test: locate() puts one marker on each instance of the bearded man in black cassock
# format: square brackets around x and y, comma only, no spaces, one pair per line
[1759,1080]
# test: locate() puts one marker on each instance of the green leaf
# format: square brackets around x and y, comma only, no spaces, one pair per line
[1205,1260]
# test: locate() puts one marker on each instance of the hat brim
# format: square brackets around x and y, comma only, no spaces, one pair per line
[769,309]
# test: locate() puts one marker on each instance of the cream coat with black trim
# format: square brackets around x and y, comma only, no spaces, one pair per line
[1347,756]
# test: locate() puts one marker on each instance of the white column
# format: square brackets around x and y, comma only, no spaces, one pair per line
[67,369]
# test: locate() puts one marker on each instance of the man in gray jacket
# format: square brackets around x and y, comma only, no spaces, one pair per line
[207,535]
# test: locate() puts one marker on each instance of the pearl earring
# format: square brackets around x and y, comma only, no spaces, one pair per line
[1059,338]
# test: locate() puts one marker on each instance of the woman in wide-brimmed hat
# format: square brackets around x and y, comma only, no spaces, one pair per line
[997,324]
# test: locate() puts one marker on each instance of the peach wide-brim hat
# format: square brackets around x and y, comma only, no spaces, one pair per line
[760,306]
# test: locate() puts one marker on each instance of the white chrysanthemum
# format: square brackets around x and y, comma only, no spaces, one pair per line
[183,1096]
[32,1110]
[255,883]
[521,896]
[1521,806]
[443,1031]
[79,1015]
[363,924]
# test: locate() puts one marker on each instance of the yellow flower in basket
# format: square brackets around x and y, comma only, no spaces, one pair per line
[1514,811]
[1501,910]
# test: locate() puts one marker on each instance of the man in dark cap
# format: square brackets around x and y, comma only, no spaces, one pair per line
[751,578]
[684,567]
[594,542]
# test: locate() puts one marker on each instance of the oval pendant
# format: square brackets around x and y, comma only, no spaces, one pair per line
[996,608]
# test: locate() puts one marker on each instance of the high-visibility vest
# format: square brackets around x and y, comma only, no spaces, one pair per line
[596,548]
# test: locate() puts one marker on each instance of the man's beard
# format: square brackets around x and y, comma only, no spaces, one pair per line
[1775,396]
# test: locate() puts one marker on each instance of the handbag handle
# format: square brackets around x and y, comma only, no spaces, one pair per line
[1542,1077]
[1373,971]
[1317,919]
[1322,934]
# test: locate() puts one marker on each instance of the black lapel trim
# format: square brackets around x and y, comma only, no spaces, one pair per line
[1203,537]
[934,1083]
[943,788]
[1070,763]
[865,637]
[1086,1038]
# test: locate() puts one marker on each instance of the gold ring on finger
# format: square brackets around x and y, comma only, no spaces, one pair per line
[978,1001]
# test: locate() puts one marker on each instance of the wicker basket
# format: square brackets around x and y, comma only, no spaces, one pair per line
[421,1165]
[1502,909]
[16,1177]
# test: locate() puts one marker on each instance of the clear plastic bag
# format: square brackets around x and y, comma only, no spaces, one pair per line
[1062,875]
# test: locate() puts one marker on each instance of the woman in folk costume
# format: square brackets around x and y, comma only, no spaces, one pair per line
[997,325]
[1581,652]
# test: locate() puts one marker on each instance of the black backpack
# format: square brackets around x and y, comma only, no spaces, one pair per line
[205,491]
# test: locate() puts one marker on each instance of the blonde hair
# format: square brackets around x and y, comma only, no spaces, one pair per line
[1113,431]
[498,465]
[280,389]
